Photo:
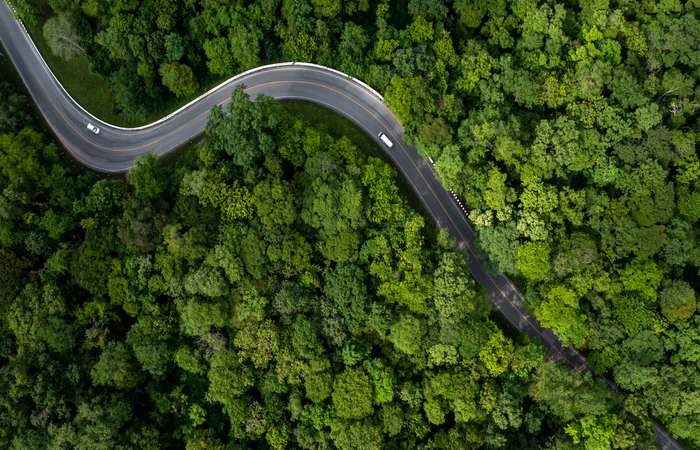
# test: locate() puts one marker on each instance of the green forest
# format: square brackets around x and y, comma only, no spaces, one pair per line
[289,264]
[271,289]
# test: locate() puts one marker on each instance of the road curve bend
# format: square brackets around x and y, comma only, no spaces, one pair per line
[115,149]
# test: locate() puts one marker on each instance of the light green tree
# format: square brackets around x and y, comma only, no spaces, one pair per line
[301,47]
[257,342]
[642,275]
[326,8]
[559,310]
[384,48]
[179,78]
[31,309]
[352,394]
[533,259]
[495,192]
[449,166]
[379,177]
[594,432]
[420,30]
[498,352]
[218,51]
[410,98]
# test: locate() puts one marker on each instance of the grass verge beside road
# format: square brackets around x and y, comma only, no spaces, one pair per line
[92,91]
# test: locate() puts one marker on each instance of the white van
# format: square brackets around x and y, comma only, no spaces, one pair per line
[386,140]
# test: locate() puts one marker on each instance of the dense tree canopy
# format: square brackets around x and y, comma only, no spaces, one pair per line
[302,308]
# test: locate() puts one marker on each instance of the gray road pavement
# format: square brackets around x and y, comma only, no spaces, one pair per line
[115,149]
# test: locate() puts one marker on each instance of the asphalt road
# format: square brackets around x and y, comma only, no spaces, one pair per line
[115,149]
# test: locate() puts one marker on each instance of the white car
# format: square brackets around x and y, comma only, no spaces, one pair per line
[386,140]
[93,128]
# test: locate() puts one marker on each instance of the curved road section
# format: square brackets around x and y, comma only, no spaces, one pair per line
[115,149]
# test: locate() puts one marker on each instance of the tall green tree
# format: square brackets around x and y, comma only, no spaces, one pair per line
[245,133]
[147,176]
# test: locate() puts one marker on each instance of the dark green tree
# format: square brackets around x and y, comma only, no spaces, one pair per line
[245,133]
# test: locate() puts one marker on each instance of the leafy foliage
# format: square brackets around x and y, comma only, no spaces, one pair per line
[245,133]
[311,310]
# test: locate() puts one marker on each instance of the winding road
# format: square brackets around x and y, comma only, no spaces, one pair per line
[115,149]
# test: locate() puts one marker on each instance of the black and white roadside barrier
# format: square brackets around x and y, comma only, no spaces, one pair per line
[459,202]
